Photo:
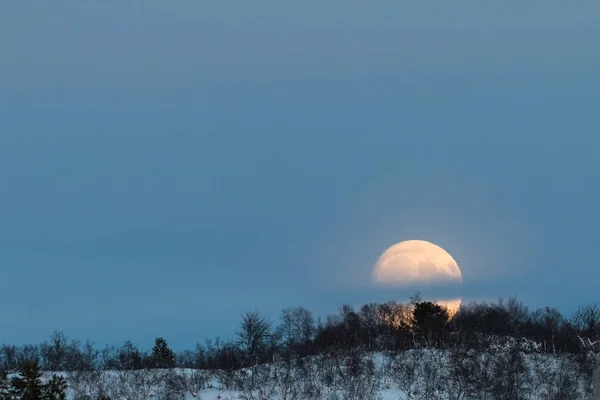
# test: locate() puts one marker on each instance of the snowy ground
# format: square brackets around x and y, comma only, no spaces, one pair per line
[414,371]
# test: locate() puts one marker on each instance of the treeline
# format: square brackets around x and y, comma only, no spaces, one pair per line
[391,326]
[486,351]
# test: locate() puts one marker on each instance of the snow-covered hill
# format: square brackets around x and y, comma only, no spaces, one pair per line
[497,373]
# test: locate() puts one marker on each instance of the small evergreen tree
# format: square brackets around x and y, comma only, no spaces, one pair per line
[28,386]
[162,355]
[4,390]
[55,389]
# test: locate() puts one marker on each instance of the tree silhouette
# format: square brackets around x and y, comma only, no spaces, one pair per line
[162,355]
[4,389]
[55,389]
[28,386]
[253,334]
[430,319]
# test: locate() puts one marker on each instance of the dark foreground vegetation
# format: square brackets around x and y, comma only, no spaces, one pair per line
[498,351]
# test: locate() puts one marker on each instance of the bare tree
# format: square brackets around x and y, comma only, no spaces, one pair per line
[549,320]
[371,321]
[511,376]
[8,357]
[27,354]
[172,384]
[86,384]
[297,326]
[395,315]
[253,336]
[309,374]
[186,359]
[468,374]
[587,320]
[195,381]
[130,357]
[591,366]
[358,377]
[555,378]
[434,374]
[518,315]
[139,384]
[407,374]
[258,383]
[59,354]
[286,379]
[227,360]
[108,358]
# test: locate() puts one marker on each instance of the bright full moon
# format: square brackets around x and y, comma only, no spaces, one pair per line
[418,261]
[415,261]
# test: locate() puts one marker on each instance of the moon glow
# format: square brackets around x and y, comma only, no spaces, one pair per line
[413,262]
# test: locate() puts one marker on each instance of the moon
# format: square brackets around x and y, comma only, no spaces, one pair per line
[415,261]
[418,261]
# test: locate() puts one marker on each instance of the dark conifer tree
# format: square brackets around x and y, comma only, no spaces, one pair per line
[4,389]
[28,385]
[162,355]
[430,319]
[55,389]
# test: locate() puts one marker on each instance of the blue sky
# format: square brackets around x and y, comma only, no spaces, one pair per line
[167,166]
